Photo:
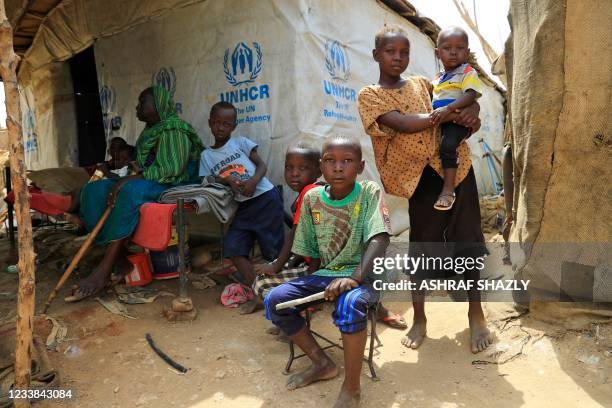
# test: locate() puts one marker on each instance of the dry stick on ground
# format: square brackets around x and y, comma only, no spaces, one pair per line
[465,15]
[25,296]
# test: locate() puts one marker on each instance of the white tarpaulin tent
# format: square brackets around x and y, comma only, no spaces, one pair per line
[292,68]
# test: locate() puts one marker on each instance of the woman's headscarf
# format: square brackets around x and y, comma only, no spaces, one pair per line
[170,125]
[169,122]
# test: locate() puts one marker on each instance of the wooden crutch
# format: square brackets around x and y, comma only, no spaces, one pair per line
[82,250]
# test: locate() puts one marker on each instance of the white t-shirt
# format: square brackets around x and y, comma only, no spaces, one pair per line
[232,159]
[122,172]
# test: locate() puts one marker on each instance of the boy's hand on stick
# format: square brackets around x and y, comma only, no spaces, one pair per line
[339,285]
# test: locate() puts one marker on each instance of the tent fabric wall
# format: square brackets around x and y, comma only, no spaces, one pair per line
[46,86]
[294,88]
[48,117]
[290,97]
[561,131]
[561,140]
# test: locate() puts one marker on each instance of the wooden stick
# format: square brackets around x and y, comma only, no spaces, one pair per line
[25,296]
[164,356]
[488,50]
[82,250]
[296,302]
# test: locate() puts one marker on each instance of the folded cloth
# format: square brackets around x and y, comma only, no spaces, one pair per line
[205,197]
[235,294]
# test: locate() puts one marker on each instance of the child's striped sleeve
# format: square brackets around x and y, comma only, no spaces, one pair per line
[471,81]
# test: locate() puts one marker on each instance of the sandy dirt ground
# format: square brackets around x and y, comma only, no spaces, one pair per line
[232,362]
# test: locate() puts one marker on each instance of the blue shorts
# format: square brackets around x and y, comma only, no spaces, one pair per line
[350,314]
[261,219]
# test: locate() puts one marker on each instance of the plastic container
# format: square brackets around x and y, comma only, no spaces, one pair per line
[166,263]
[141,273]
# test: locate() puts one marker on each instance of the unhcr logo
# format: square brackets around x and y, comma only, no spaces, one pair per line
[165,77]
[29,131]
[243,65]
[337,60]
[338,66]
[108,100]
[344,97]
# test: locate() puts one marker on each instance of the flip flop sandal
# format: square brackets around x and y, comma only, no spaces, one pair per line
[446,208]
[395,321]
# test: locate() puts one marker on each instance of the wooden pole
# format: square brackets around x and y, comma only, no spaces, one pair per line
[25,296]
[472,23]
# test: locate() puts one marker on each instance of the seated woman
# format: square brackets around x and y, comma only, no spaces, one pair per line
[167,153]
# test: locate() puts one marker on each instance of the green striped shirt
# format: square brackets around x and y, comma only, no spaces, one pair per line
[173,143]
[171,159]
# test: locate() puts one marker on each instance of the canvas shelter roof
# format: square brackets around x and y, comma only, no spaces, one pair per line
[119,30]
[27,16]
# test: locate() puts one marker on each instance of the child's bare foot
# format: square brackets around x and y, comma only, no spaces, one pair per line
[480,336]
[348,399]
[319,372]
[416,335]
[250,306]
[282,337]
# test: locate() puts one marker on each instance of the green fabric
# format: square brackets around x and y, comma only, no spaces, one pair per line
[174,141]
[336,231]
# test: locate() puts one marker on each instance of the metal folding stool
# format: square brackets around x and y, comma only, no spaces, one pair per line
[372,314]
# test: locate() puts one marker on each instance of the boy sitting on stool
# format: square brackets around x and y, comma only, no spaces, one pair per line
[345,225]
